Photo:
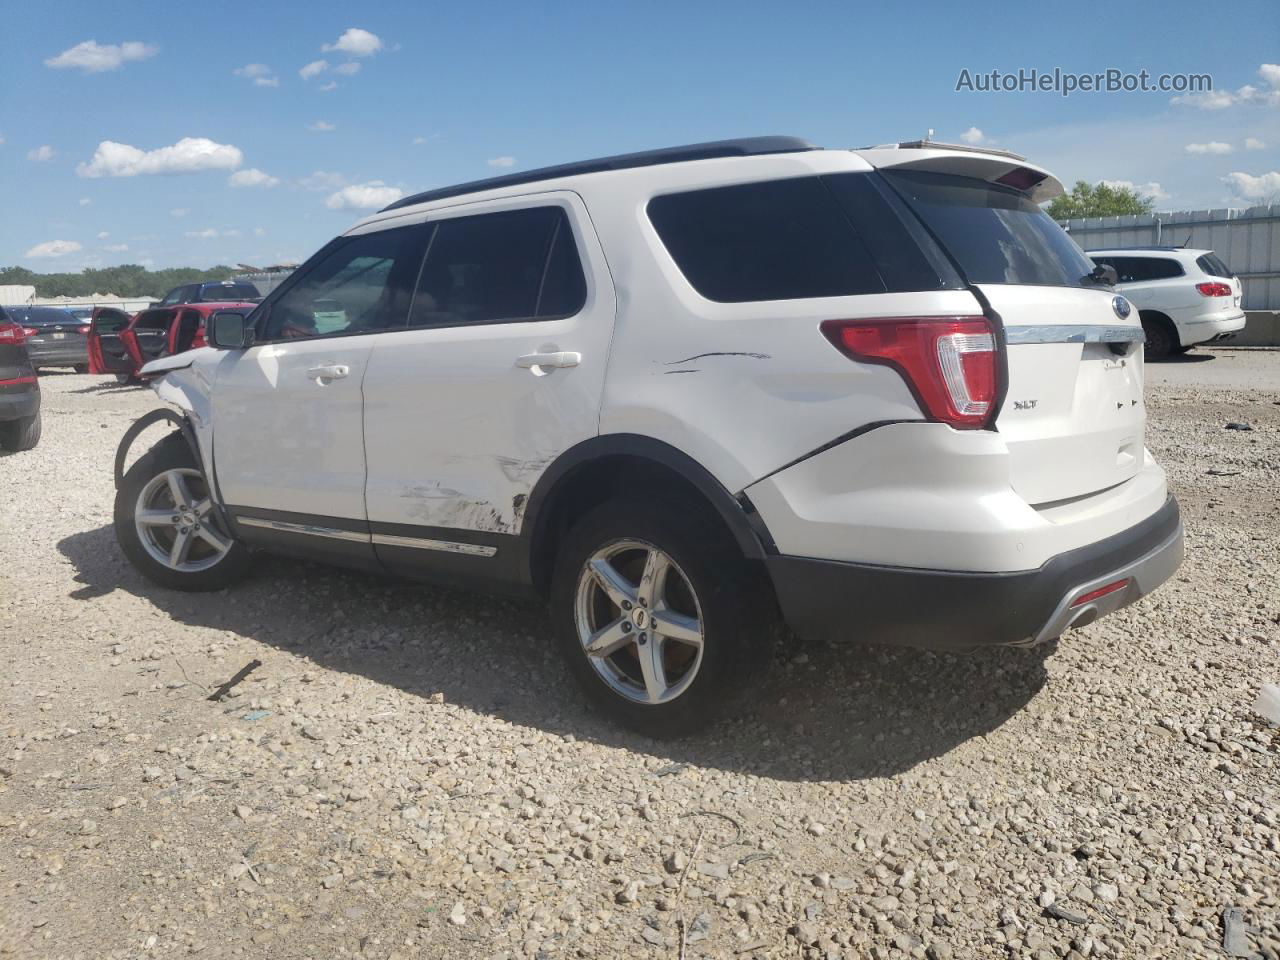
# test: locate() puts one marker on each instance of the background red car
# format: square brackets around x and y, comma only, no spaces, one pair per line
[121,344]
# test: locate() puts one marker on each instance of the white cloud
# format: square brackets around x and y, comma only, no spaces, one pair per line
[326,87]
[1151,189]
[322,180]
[502,162]
[208,233]
[103,235]
[363,196]
[419,140]
[85,201]
[259,73]
[973,135]
[53,248]
[348,69]
[93,57]
[42,154]
[1250,94]
[231,233]
[188,155]
[355,42]
[320,126]
[313,69]
[1260,189]
[179,211]
[1213,146]
[259,232]
[253,177]
[1,141]
[116,247]
[1253,143]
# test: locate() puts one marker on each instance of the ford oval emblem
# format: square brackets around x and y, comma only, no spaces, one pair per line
[1121,306]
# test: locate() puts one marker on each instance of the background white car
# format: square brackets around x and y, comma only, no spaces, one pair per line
[1184,296]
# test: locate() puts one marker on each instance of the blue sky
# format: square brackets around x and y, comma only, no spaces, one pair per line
[415,95]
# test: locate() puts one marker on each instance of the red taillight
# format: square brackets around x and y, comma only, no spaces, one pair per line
[948,362]
[30,331]
[1100,592]
[11,333]
[85,328]
[1214,289]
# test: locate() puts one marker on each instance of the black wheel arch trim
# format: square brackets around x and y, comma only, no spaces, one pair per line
[737,513]
[147,420]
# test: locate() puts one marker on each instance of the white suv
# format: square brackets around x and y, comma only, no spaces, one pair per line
[1184,297]
[684,395]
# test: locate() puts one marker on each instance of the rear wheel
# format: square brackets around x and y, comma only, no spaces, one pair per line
[1161,341]
[661,620]
[81,368]
[167,525]
[20,434]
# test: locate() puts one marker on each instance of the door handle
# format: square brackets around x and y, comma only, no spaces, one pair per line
[563,358]
[329,371]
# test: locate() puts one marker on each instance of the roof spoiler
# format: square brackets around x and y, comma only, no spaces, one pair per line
[982,163]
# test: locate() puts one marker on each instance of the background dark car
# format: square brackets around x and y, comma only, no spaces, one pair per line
[54,337]
[19,389]
[221,291]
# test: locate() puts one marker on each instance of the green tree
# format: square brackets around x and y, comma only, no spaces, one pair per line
[128,280]
[1101,200]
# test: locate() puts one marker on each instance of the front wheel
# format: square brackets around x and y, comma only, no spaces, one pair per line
[167,526]
[661,620]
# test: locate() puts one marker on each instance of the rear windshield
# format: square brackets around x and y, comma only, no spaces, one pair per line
[41,315]
[213,292]
[995,233]
[1212,264]
[1141,269]
[798,238]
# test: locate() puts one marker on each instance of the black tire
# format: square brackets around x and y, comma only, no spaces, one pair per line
[170,453]
[738,611]
[1160,338]
[20,434]
[1180,350]
[81,368]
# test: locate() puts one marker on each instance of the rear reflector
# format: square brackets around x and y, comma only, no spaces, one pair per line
[948,362]
[1100,592]
[1214,289]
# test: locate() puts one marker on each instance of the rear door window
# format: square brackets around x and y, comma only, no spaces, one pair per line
[995,233]
[503,267]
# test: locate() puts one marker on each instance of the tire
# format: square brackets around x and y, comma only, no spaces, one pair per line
[146,489]
[20,434]
[715,593]
[127,380]
[1160,338]
[1180,350]
[81,368]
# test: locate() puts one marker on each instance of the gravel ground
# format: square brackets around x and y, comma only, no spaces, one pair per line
[409,773]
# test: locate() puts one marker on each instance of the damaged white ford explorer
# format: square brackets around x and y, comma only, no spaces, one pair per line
[685,396]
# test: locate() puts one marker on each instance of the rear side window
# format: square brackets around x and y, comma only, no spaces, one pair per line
[500,268]
[995,233]
[1212,264]
[792,239]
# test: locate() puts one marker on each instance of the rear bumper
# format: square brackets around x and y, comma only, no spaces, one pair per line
[1221,326]
[945,609]
[16,402]
[61,354]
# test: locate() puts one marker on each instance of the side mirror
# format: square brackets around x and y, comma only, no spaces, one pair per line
[1106,273]
[227,330]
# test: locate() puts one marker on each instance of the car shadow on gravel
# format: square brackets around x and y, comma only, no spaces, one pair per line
[826,713]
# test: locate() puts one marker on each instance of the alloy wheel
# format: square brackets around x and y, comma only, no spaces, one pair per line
[639,621]
[176,524]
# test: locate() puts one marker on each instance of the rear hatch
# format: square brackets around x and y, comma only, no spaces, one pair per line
[1073,416]
[107,352]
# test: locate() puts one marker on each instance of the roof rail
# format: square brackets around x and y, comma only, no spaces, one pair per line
[938,145]
[745,147]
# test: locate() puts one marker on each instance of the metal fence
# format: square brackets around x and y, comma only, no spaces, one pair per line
[1248,240]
